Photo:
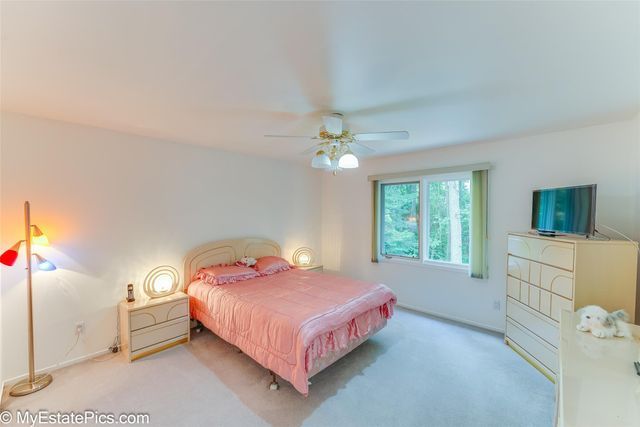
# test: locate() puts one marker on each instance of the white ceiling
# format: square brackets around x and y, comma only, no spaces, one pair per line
[223,74]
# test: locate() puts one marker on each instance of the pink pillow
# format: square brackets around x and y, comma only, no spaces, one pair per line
[268,265]
[222,274]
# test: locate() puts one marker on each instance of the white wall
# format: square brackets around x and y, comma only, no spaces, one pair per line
[114,206]
[607,155]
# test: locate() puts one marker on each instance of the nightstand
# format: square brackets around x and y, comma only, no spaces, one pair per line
[148,326]
[317,268]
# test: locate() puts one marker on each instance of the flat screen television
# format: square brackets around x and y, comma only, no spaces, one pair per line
[569,210]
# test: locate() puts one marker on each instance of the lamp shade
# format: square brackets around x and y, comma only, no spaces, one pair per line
[161,281]
[44,264]
[348,161]
[10,256]
[303,256]
[321,160]
[38,237]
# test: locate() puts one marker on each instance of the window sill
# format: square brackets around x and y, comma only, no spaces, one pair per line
[459,268]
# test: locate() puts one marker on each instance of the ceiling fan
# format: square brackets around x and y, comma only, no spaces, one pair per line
[336,145]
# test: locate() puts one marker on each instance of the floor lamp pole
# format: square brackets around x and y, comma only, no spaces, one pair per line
[27,239]
[34,382]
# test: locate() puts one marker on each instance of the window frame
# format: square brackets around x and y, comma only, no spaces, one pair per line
[417,180]
[423,222]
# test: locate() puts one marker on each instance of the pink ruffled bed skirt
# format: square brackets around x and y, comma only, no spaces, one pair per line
[340,338]
[322,346]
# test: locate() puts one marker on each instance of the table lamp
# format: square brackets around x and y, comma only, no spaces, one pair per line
[303,257]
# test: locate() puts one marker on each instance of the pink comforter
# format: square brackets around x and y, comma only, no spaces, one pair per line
[287,320]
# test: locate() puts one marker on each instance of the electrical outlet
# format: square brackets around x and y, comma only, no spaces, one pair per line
[496,305]
[80,327]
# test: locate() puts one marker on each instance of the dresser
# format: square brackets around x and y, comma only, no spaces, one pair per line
[148,326]
[548,275]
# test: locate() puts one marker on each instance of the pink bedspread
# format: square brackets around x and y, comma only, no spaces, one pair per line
[288,320]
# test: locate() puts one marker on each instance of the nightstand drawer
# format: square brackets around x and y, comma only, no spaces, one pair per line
[154,315]
[159,333]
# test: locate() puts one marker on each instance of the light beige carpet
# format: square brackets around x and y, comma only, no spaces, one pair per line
[419,371]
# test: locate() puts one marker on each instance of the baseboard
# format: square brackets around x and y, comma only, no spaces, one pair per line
[452,318]
[57,366]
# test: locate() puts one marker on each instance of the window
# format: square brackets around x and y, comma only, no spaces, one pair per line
[400,209]
[449,210]
[427,219]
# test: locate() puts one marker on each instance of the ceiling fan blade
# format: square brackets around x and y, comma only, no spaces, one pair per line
[382,136]
[362,149]
[290,136]
[310,150]
[333,124]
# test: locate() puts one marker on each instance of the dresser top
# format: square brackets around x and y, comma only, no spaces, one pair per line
[150,302]
[572,238]
[598,382]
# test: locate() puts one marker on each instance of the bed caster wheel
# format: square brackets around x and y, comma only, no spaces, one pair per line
[274,381]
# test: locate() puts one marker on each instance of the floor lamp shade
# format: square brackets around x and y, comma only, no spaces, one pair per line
[10,256]
[38,237]
[43,263]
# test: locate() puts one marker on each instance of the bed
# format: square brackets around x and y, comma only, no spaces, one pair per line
[294,323]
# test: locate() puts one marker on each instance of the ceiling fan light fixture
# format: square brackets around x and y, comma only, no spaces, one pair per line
[334,142]
[348,161]
[321,160]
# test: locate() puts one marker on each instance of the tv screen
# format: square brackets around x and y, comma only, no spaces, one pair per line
[565,210]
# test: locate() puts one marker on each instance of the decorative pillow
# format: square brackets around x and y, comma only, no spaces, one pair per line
[268,265]
[222,274]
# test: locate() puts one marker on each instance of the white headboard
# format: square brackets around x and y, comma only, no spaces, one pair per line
[226,252]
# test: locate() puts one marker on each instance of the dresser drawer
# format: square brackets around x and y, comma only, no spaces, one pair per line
[524,293]
[153,315]
[543,327]
[159,333]
[521,246]
[555,253]
[513,287]
[534,273]
[559,254]
[534,297]
[518,268]
[536,347]
[557,281]
[545,302]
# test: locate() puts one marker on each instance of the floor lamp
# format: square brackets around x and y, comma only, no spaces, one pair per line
[33,235]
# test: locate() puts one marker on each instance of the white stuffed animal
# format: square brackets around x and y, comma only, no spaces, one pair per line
[603,324]
[248,261]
